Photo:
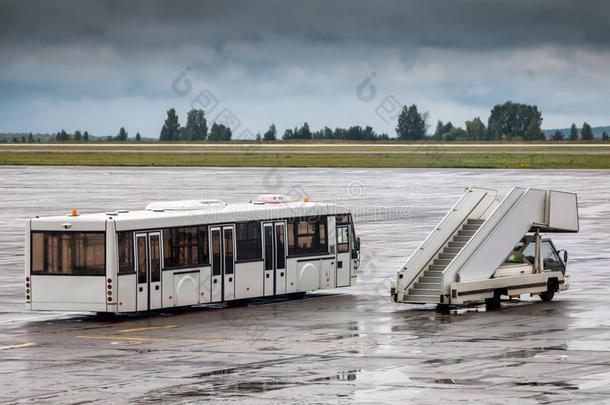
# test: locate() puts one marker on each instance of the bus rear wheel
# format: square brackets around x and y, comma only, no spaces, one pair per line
[105,316]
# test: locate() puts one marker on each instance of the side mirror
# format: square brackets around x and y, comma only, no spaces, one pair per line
[356,250]
[564,256]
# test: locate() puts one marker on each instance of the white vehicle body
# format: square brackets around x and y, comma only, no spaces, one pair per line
[466,257]
[185,253]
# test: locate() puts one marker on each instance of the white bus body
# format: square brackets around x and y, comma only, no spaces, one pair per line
[184,253]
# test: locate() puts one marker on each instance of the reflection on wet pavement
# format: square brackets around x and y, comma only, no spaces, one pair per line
[343,345]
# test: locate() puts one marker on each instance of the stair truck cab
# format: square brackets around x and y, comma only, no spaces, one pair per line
[182,253]
[485,249]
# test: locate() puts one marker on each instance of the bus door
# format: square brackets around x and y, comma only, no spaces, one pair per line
[274,242]
[148,267]
[223,263]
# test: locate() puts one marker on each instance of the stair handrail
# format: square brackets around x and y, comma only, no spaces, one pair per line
[410,270]
[449,273]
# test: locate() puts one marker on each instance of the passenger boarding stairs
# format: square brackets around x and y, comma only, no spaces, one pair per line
[428,287]
[474,238]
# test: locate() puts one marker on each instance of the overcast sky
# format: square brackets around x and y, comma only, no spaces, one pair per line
[100,65]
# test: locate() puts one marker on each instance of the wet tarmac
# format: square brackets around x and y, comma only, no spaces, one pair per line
[335,346]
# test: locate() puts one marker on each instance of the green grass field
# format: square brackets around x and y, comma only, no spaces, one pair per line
[491,159]
[345,147]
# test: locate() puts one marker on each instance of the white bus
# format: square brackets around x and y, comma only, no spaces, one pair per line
[184,253]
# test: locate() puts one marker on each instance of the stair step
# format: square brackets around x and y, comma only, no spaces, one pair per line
[461,238]
[463,232]
[441,262]
[428,286]
[436,268]
[422,291]
[470,227]
[455,244]
[453,251]
[447,255]
[429,279]
[423,299]
[472,221]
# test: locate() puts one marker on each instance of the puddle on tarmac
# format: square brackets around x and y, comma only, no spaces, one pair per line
[552,384]
[215,390]
[347,375]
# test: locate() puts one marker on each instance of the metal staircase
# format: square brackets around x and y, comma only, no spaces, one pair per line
[428,287]
[468,245]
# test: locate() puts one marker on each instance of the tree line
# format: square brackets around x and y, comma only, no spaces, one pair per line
[196,128]
[507,122]
[584,134]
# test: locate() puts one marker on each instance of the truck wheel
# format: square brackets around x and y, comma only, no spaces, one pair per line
[495,302]
[552,286]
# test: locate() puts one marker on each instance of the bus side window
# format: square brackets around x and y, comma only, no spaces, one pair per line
[248,240]
[216,252]
[307,236]
[142,259]
[342,239]
[343,219]
[125,252]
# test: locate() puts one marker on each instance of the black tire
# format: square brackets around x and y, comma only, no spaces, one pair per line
[495,302]
[105,316]
[238,303]
[552,286]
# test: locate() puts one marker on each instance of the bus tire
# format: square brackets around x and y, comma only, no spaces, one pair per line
[105,316]
[547,295]
[238,303]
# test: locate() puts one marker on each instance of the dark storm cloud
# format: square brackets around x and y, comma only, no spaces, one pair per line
[62,62]
[440,23]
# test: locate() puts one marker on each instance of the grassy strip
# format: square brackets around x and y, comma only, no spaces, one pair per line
[318,148]
[504,160]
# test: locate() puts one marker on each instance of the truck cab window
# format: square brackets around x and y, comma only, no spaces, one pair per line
[550,258]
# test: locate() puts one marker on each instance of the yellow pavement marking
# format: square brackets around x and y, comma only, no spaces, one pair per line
[29,344]
[230,341]
[151,339]
[145,328]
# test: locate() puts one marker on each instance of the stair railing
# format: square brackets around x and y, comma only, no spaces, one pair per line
[442,233]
